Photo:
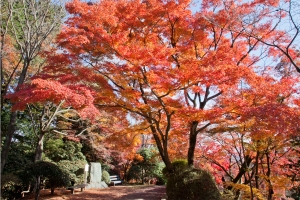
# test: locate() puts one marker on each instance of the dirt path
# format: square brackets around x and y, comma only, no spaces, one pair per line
[138,192]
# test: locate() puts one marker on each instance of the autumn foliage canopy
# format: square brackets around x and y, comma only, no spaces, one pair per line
[194,75]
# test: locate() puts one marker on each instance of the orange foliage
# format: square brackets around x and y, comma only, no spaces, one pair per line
[174,72]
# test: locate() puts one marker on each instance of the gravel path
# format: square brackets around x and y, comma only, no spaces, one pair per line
[137,192]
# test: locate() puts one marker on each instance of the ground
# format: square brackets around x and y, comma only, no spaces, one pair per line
[137,192]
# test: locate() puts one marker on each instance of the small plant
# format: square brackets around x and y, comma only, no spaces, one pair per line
[106,177]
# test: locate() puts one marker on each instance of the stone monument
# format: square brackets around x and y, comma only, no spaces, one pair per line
[96,176]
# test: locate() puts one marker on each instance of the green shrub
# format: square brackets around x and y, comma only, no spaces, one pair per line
[75,169]
[178,166]
[105,177]
[47,171]
[11,186]
[134,173]
[193,184]
[157,173]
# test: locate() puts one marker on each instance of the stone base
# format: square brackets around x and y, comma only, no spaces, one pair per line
[102,184]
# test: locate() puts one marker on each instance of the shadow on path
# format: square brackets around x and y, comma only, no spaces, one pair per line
[122,192]
[149,193]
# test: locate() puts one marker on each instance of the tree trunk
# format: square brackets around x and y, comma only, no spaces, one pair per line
[192,143]
[13,118]
[38,156]
[256,171]
[39,147]
[52,190]
[270,190]
[163,153]
[9,136]
[37,188]
[193,140]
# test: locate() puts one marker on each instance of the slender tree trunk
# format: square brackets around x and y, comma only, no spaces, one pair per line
[13,118]
[9,136]
[270,190]
[37,188]
[192,143]
[243,169]
[38,156]
[39,147]
[163,151]
[193,140]
[256,171]
[1,65]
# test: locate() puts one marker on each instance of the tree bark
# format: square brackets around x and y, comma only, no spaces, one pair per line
[192,143]
[39,147]
[9,135]
[12,122]
[193,140]
[270,190]
[37,188]
[163,151]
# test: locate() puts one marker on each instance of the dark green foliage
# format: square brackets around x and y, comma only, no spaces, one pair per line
[11,186]
[157,173]
[58,149]
[47,171]
[192,184]
[178,166]
[67,154]
[135,172]
[20,155]
[295,193]
[75,169]
[105,177]
[147,169]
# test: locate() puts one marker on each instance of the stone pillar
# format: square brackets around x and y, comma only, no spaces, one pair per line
[86,171]
[96,176]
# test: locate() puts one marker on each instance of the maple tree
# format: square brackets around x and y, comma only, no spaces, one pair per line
[254,139]
[150,81]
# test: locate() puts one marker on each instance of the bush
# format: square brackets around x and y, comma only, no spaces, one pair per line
[11,186]
[134,173]
[47,171]
[178,166]
[75,169]
[193,184]
[106,177]
[157,173]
